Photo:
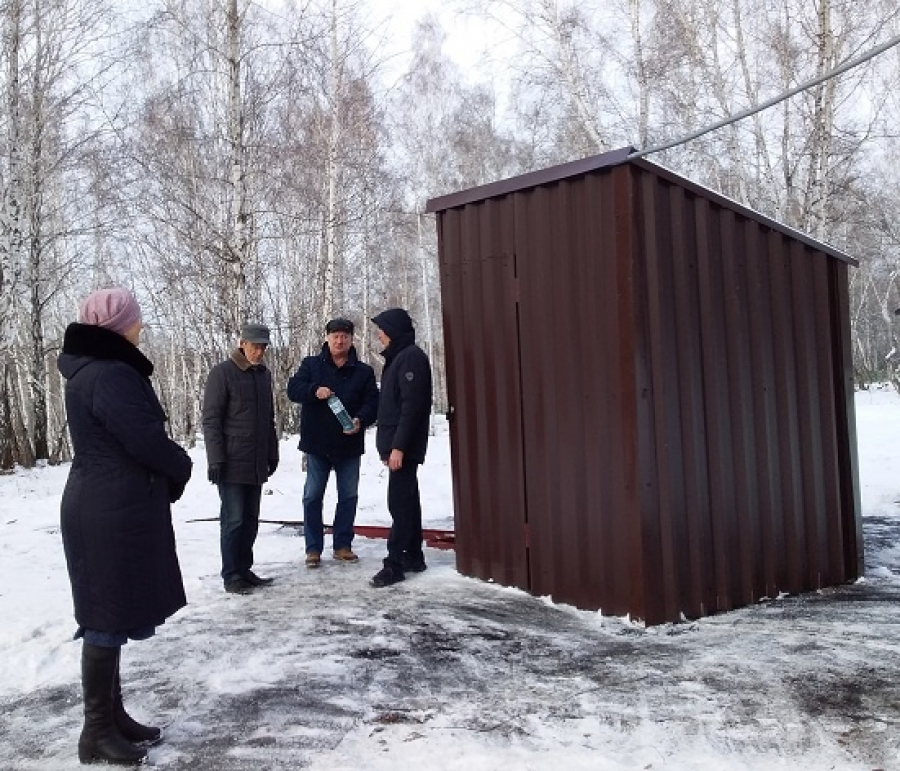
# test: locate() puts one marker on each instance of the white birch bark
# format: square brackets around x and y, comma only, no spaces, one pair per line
[237,249]
[12,224]
[640,73]
[816,193]
[333,144]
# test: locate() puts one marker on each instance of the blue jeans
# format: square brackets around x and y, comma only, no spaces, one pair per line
[318,469]
[238,524]
[113,639]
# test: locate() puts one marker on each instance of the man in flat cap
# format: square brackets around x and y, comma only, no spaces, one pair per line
[335,371]
[241,450]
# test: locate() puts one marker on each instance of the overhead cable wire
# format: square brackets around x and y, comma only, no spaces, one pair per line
[839,70]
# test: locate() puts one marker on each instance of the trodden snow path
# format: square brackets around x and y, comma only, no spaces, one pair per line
[321,671]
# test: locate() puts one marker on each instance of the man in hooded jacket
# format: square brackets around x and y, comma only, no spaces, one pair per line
[404,416]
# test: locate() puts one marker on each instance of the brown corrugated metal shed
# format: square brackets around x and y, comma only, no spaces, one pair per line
[651,393]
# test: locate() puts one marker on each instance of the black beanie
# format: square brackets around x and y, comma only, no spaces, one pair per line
[394,322]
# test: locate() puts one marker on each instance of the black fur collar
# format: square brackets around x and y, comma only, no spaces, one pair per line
[100,343]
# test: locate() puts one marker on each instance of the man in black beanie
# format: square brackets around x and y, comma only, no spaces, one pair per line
[404,415]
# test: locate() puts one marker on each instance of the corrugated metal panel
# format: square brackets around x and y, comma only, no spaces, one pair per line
[848,465]
[652,394]
[767,421]
[579,449]
[480,333]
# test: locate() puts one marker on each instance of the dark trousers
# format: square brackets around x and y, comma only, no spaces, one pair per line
[405,539]
[239,524]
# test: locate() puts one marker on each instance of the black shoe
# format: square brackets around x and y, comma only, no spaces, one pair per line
[251,578]
[387,576]
[415,565]
[239,586]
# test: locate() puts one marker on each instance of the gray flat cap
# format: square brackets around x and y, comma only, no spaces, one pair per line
[255,333]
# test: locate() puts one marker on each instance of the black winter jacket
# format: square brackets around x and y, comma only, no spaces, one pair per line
[116,520]
[354,383]
[239,420]
[404,407]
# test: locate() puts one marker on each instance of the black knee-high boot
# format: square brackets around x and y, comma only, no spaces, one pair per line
[100,739]
[129,727]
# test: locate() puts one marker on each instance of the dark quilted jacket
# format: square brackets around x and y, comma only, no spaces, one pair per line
[116,520]
[239,420]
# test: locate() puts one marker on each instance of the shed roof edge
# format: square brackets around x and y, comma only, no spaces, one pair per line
[616,158]
[750,213]
[530,179]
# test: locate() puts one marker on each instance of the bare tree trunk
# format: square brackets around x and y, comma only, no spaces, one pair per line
[237,248]
[334,136]
[22,247]
[572,74]
[763,164]
[426,294]
[18,448]
[816,193]
[34,267]
[12,229]
[643,83]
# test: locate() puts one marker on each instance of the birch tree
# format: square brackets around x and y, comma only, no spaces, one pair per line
[12,229]
[433,100]
[53,74]
[195,179]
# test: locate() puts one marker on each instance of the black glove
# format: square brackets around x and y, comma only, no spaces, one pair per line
[214,474]
[273,464]
[176,490]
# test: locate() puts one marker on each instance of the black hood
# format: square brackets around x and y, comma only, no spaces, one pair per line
[394,322]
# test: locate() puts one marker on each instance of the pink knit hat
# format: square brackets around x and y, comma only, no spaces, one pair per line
[116,309]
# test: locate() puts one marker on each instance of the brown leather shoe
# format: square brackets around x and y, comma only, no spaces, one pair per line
[345,555]
[313,559]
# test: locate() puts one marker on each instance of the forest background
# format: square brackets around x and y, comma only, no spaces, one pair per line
[232,160]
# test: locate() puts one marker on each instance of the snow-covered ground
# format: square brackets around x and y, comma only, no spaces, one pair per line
[322,671]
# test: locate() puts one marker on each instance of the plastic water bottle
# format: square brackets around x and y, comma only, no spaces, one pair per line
[340,412]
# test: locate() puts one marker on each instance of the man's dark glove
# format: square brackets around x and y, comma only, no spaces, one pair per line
[176,490]
[214,474]
[273,464]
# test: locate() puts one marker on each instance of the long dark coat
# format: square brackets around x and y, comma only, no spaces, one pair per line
[116,520]
[354,383]
[404,406]
[239,420]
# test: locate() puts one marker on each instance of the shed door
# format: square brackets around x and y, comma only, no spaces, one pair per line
[573,262]
[478,288]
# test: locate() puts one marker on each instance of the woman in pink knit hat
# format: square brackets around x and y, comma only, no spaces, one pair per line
[116,518]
